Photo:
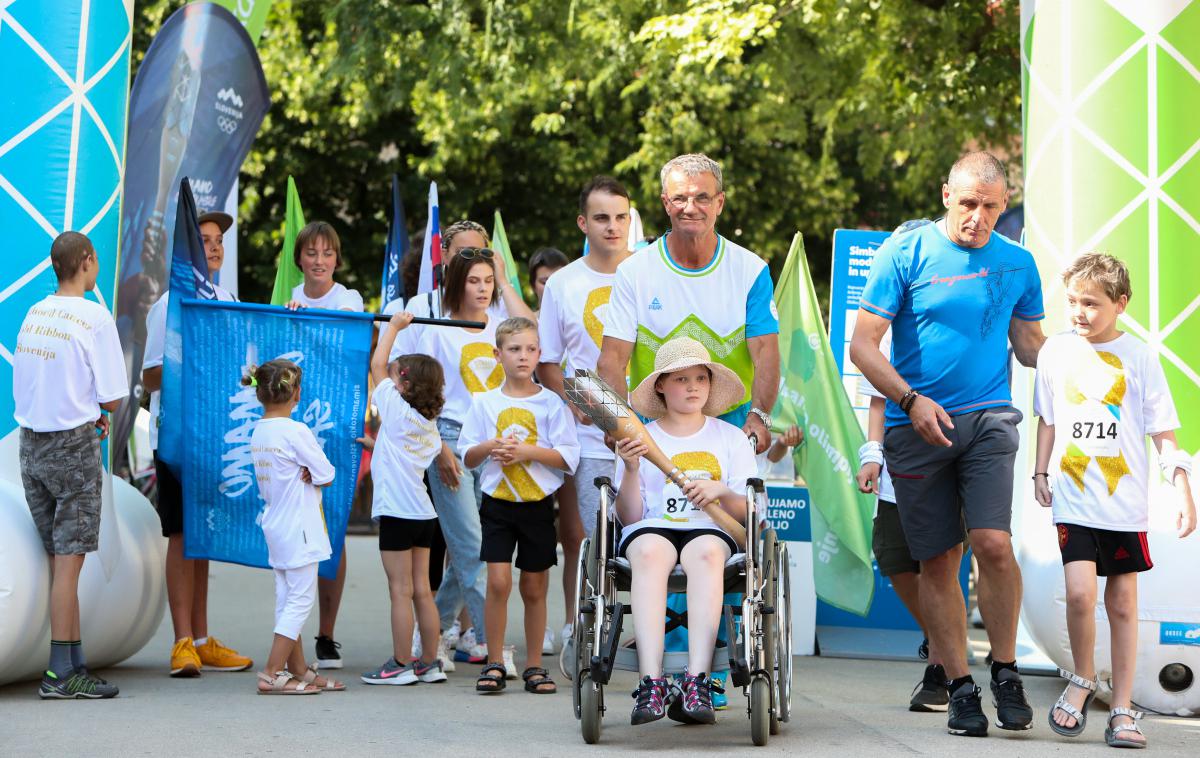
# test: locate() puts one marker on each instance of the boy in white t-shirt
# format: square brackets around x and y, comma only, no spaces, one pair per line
[68,373]
[1100,392]
[523,438]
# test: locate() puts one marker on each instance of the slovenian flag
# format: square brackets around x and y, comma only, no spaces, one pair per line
[431,252]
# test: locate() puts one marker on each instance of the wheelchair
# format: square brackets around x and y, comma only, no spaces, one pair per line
[758,651]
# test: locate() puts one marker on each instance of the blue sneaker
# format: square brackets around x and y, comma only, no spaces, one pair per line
[720,701]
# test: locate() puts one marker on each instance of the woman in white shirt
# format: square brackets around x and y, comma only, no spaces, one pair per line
[318,254]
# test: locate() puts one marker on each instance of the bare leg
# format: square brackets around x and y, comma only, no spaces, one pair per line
[398,566]
[329,599]
[651,559]
[944,611]
[64,597]
[1000,594]
[199,598]
[495,608]
[703,561]
[570,534]
[1120,600]
[427,615]
[534,585]
[1081,628]
[181,587]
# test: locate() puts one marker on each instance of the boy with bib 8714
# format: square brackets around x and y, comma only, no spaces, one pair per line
[1100,392]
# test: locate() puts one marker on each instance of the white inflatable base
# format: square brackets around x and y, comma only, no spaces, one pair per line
[122,593]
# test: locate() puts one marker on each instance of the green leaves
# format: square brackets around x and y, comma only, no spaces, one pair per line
[823,113]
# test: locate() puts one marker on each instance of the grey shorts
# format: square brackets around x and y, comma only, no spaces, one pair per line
[586,490]
[939,489]
[63,480]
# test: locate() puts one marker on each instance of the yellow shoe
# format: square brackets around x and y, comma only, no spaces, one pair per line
[217,657]
[184,660]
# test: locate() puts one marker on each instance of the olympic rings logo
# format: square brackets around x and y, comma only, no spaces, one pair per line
[227,125]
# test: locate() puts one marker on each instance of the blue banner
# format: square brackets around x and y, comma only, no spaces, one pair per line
[396,249]
[221,503]
[194,110]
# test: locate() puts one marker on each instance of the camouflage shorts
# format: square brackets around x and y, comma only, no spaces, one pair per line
[63,479]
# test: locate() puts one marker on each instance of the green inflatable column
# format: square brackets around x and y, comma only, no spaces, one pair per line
[1112,164]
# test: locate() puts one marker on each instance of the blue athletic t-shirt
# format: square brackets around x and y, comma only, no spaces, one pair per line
[950,309]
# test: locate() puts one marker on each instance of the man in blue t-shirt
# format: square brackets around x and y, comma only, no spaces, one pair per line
[955,294]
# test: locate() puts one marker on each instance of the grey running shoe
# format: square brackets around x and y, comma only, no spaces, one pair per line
[651,701]
[693,701]
[965,712]
[391,672]
[1013,711]
[930,694]
[76,685]
[430,673]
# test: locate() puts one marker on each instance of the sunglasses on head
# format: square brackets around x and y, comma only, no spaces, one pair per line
[471,253]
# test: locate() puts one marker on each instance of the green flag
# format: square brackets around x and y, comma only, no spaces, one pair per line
[288,275]
[812,397]
[500,245]
[252,14]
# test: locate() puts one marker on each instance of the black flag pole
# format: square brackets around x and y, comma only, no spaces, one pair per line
[437,321]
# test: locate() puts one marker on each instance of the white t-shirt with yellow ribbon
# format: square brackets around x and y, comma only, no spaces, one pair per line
[469,362]
[542,420]
[719,451]
[571,327]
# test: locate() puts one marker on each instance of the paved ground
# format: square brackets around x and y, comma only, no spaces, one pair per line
[840,707]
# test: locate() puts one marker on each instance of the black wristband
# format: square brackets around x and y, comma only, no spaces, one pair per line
[906,402]
[1039,473]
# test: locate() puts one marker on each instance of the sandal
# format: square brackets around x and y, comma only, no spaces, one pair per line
[1112,735]
[489,684]
[279,685]
[331,685]
[537,678]
[1080,714]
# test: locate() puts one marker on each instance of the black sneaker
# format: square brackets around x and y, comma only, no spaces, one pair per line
[1013,711]
[328,656]
[965,712]
[651,697]
[75,686]
[923,650]
[930,694]
[692,703]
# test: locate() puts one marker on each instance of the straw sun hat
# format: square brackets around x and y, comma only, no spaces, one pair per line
[725,390]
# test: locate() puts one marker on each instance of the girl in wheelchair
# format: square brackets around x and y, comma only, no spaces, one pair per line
[665,526]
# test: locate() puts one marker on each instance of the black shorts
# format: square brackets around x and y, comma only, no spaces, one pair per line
[678,537]
[888,542]
[1113,552]
[527,528]
[170,499]
[406,533]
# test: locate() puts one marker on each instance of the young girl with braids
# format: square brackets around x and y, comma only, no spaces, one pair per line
[290,468]
[408,394]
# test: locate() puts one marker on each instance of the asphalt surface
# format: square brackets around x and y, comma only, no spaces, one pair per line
[840,707]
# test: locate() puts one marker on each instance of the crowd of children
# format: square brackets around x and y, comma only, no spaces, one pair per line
[475,441]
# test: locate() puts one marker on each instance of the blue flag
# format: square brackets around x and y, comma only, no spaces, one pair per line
[188,279]
[222,507]
[396,249]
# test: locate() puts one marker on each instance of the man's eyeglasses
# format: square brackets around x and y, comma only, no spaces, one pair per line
[681,201]
[471,253]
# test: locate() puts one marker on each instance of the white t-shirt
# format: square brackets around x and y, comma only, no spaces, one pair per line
[886,490]
[68,360]
[542,420]
[719,451]
[292,522]
[156,334]
[338,298]
[571,327]
[426,305]
[1102,400]
[468,361]
[722,305]
[407,443]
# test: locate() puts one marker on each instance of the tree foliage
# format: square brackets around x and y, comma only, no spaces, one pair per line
[823,113]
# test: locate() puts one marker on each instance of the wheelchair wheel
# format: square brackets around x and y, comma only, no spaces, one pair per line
[591,707]
[760,710]
[569,658]
[768,564]
[783,635]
